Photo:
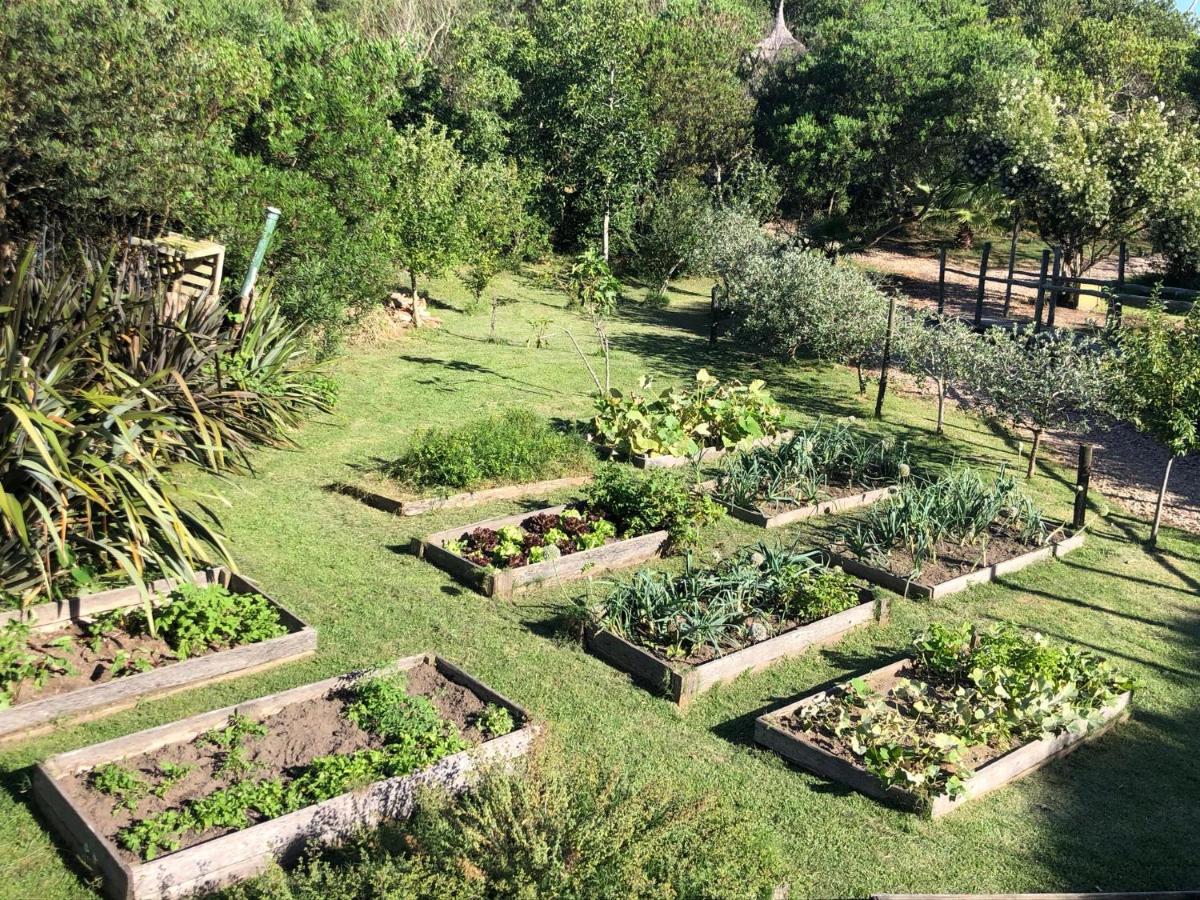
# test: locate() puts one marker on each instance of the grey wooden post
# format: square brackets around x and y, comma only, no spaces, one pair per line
[715,311]
[1083,476]
[1012,262]
[979,297]
[1040,303]
[1054,287]
[941,281]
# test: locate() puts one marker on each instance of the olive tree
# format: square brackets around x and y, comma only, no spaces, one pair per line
[943,351]
[1041,380]
[1156,386]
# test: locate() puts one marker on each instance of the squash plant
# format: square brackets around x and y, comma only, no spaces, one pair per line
[681,422]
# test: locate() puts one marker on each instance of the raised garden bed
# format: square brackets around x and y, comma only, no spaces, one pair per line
[683,683]
[290,747]
[682,634]
[383,497]
[708,454]
[108,668]
[567,567]
[774,517]
[864,710]
[939,580]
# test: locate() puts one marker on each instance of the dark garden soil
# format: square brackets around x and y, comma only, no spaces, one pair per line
[827,492]
[478,544]
[883,682]
[296,735]
[80,666]
[954,560]
[774,625]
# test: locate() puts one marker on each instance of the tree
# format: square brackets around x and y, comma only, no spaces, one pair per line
[588,109]
[592,286]
[870,128]
[1041,380]
[943,351]
[1156,386]
[670,232]
[429,215]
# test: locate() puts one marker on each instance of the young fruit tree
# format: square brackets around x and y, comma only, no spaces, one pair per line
[1156,386]
[1041,380]
[944,352]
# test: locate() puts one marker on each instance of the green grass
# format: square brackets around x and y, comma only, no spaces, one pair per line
[1117,815]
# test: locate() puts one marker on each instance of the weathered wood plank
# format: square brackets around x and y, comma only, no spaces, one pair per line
[684,684]
[569,567]
[821,508]
[223,860]
[93,701]
[770,732]
[415,507]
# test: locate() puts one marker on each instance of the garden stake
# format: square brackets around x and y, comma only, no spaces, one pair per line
[1083,475]
[979,297]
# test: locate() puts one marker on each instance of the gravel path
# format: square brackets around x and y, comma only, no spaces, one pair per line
[1127,466]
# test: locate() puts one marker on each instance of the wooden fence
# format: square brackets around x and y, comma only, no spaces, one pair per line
[1055,288]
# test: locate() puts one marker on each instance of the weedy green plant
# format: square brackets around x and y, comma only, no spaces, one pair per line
[21,665]
[798,471]
[120,783]
[967,689]
[961,509]
[230,742]
[195,619]
[413,732]
[750,597]
[511,447]
[680,422]
[169,775]
[641,502]
[546,830]
[495,721]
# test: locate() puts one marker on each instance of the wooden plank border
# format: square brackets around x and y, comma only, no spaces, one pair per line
[907,588]
[417,507]
[241,854]
[569,567]
[820,508]
[28,719]
[708,454]
[684,684]
[770,732]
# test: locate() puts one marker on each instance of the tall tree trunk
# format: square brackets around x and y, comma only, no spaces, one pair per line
[1158,506]
[492,326]
[604,232]
[941,395]
[412,280]
[862,382]
[1033,452]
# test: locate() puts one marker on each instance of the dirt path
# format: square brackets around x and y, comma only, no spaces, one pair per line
[1128,466]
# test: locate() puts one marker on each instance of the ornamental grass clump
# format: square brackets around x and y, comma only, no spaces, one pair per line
[682,422]
[800,471]
[511,447]
[969,696]
[959,510]
[709,612]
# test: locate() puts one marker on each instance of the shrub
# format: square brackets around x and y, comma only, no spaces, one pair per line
[641,502]
[511,447]
[680,422]
[545,830]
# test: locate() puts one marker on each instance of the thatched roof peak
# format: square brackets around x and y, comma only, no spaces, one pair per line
[779,41]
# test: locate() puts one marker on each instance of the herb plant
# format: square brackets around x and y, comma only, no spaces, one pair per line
[21,665]
[511,447]
[230,742]
[495,721]
[961,509]
[680,422]
[967,688]
[641,502]
[195,619]
[748,598]
[798,471]
[124,786]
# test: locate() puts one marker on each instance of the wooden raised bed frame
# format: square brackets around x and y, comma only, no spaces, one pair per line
[769,732]
[27,719]
[708,454]
[907,588]
[820,508]
[684,684]
[241,854]
[569,567]
[401,507]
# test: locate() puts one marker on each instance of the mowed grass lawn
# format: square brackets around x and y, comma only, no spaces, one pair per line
[1120,814]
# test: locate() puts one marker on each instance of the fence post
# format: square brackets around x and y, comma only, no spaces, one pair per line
[983,267]
[942,280]
[887,356]
[1040,303]
[1083,475]
[1012,262]
[1054,287]
[1115,311]
[715,310]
